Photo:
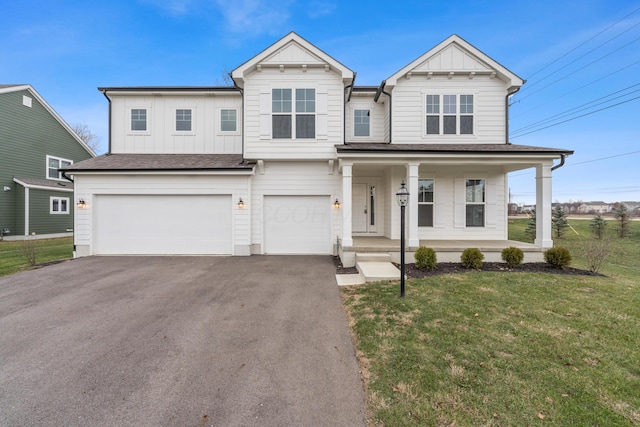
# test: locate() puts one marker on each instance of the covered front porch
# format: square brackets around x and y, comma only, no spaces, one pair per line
[446,250]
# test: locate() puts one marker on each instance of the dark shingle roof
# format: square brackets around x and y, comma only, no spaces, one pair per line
[161,162]
[449,148]
[58,185]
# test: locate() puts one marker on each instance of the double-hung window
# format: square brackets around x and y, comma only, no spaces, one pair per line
[53,166]
[449,114]
[58,205]
[361,122]
[139,119]
[475,202]
[425,202]
[184,120]
[283,108]
[228,120]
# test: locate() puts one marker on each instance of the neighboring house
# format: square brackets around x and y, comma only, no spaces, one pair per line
[35,143]
[594,208]
[296,159]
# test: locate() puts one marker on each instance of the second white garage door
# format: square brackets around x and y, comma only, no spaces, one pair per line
[297,225]
[162,224]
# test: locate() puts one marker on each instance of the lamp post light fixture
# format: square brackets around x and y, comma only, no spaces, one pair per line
[402,197]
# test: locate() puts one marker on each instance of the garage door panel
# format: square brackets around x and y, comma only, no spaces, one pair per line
[163,224]
[297,225]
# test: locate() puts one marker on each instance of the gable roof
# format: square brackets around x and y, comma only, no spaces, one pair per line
[291,50]
[456,55]
[162,162]
[7,88]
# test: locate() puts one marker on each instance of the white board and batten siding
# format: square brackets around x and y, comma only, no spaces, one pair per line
[166,214]
[329,88]
[292,208]
[161,136]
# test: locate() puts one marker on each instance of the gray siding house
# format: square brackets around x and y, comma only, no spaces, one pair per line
[34,143]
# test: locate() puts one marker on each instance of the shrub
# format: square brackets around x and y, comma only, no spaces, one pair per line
[559,221]
[472,258]
[425,258]
[622,214]
[558,257]
[530,231]
[512,256]
[595,252]
[598,225]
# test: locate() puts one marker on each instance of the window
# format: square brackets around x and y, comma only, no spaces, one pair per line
[283,124]
[183,120]
[228,120]
[53,166]
[361,121]
[475,198]
[425,202]
[59,205]
[449,115]
[139,119]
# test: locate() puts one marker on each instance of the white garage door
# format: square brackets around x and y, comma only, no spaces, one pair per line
[162,225]
[297,225]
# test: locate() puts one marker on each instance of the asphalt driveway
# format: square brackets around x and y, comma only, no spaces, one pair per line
[177,341]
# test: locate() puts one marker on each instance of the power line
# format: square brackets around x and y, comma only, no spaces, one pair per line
[577,117]
[591,161]
[583,43]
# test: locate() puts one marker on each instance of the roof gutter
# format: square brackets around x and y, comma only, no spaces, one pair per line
[104,92]
[559,165]
[242,113]
[375,99]
[506,115]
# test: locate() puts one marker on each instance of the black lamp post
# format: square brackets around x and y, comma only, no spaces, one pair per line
[402,196]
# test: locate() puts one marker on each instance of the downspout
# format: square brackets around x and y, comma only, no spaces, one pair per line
[242,114]
[344,112]
[104,92]
[506,114]
[559,165]
[375,99]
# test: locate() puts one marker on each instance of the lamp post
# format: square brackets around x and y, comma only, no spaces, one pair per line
[402,197]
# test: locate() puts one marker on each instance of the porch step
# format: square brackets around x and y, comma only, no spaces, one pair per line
[373,257]
[373,271]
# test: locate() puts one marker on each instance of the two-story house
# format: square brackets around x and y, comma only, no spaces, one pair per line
[35,144]
[297,159]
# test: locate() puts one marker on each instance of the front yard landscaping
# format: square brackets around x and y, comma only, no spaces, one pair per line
[14,254]
[489,348]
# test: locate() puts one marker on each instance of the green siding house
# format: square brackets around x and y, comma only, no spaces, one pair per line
[35,198]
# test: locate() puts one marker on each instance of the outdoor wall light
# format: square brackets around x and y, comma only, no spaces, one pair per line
[240,203]
[7,188]
[81,204]
[336,204]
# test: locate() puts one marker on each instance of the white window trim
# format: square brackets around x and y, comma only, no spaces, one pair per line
[293,112]
[60,159]
[177,132]
[59,199]
[140,132]
[441,92]
[353,120]
[484,203]
[219,130]
[433,212]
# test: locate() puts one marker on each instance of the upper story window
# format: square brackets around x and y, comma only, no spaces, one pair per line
[228,120]
[183,120]
[58,205]
[425,202]
[361,123]
[475,201]
[53,166]
[449,115]
[283,110]
[139,119]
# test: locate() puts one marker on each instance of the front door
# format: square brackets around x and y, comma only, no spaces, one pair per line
[364,208]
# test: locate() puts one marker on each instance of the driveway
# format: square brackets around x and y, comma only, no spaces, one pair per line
[177,341]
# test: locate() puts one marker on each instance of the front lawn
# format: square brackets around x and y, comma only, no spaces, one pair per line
[485,348]
[13,259]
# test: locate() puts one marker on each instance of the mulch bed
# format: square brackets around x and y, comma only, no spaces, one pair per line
[455,268]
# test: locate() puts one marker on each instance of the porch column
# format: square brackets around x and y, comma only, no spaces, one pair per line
[347,203]
[543,206]
[412,186]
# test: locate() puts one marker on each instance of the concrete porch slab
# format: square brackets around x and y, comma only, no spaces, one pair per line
[349,279]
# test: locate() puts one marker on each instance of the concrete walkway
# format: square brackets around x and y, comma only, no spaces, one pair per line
[168,341]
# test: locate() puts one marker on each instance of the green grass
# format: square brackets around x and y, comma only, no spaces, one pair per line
[12,258]
[483,348]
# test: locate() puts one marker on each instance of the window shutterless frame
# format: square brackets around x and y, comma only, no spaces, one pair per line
[426,190]
[449,114]
[289,117]
[58,205]
[53,166]
[475,200]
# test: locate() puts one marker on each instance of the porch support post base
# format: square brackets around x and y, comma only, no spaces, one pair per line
[543,206]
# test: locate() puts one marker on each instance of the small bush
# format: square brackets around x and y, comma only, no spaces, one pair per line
[558,257]
[472,258]
[512,256]
[595,252]
[425,258]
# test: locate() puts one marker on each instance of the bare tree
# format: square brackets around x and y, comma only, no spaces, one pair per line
[85,134]
[225,77]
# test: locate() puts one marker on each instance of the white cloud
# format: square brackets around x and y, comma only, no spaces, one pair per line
[318,9]
[255,16]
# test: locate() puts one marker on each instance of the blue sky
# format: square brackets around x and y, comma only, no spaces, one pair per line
[577,57]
